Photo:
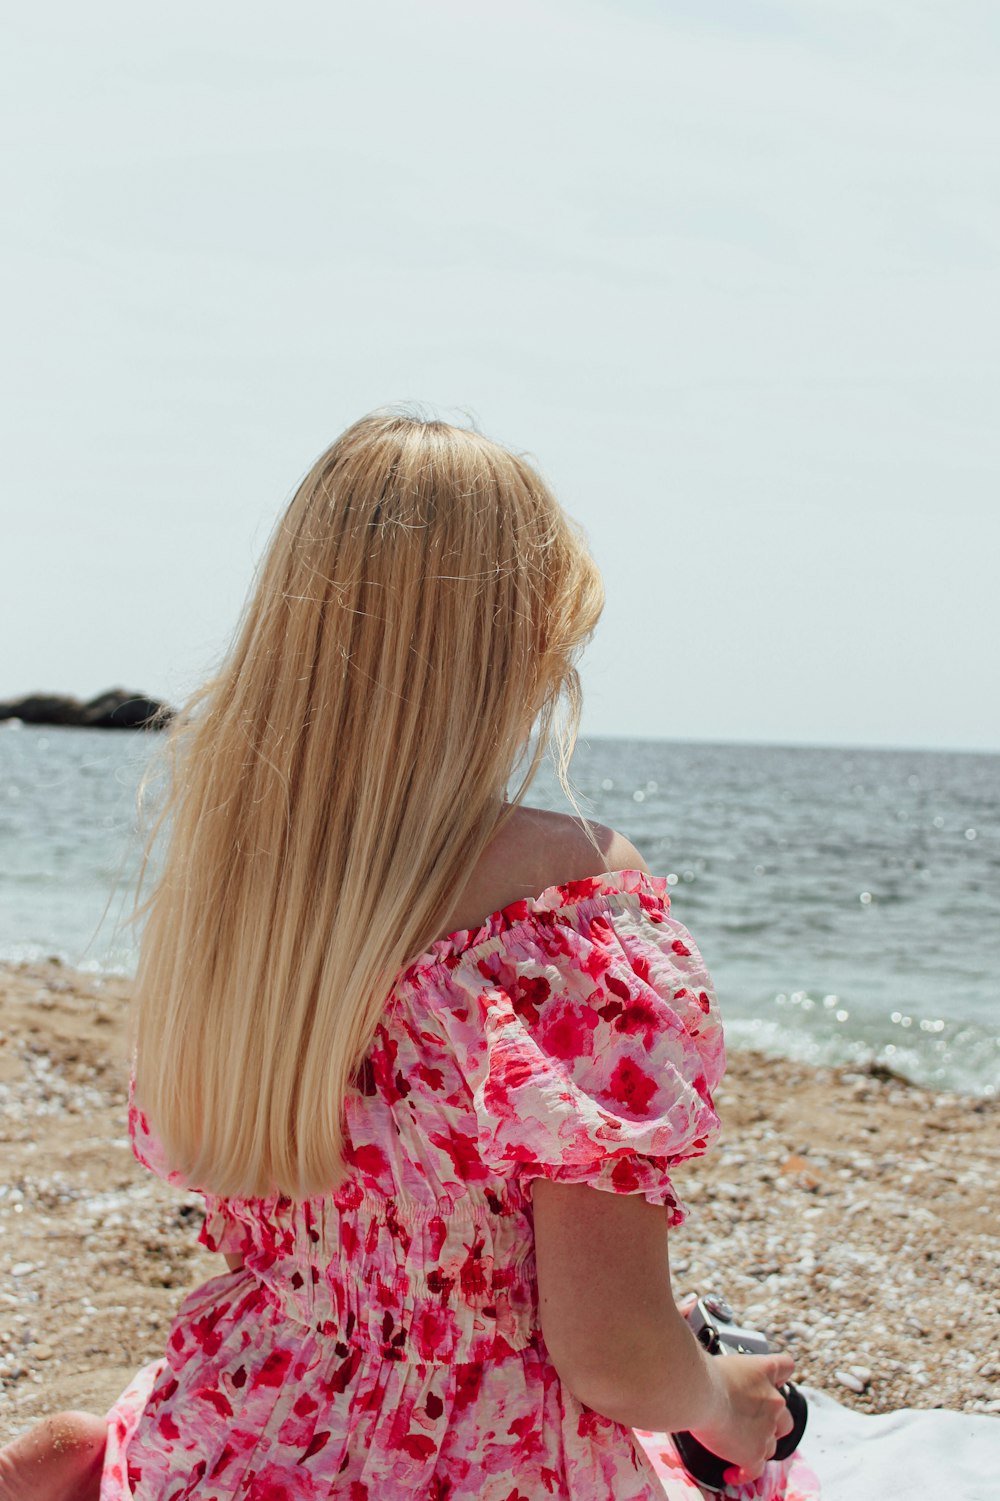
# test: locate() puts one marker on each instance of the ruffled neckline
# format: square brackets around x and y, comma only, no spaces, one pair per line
[564,896]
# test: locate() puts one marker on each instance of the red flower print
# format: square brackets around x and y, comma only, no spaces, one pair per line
[345,1373]
[264,1487]
[206,1334]
[216,1399]
[434,1330]
[418,1445]
[624,1176]
[591,1422]
[274,1369]
[432,1077]
[639,1015]
[389,1080]
[509,1070]
[437,1230]
[631,1086]
[469,1378]
[316,1443]
[525,1429]
[568,1031]
[368,1159]
[681,949]
[618,987]
[516,912]
[463,1150]
[593,961]
[529,992]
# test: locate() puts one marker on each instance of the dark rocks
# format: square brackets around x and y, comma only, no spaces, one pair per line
[114,710]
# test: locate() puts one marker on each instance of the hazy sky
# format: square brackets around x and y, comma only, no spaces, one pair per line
[729,271]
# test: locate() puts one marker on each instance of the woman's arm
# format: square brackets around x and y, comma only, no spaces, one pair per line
[233,1262]
[620,1345]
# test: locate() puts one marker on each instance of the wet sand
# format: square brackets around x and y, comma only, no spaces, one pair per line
[850,1214]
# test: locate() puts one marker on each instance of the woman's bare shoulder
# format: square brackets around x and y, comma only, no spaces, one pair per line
[556,847]
[534,849]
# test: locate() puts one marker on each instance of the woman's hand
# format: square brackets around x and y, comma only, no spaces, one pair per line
[753,1414]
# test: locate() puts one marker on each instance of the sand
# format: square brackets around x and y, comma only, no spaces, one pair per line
[850,1214]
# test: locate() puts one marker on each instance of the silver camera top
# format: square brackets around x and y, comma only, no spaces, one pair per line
[714,1324]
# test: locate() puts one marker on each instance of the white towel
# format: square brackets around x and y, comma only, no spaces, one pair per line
[915,1454]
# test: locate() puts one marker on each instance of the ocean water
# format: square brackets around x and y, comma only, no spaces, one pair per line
[847,901]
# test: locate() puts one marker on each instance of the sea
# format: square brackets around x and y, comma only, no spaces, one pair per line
[847,902]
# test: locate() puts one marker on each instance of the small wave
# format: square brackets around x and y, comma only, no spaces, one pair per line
[942,1055]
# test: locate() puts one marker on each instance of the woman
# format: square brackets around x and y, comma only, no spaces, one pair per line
[430,1055]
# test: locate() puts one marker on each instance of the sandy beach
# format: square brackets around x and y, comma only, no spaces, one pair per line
[852,1215]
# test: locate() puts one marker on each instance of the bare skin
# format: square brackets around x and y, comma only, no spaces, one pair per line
[608,1317]
[619,1342]
[59,1459]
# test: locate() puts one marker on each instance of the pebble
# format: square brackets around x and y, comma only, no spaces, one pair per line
[848,1379]
[22,1268]
[42,1352]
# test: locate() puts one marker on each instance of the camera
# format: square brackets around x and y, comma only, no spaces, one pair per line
[717,1328]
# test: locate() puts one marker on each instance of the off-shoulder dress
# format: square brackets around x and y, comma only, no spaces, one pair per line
[382,1342]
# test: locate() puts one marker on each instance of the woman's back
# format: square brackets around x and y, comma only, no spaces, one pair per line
[386,1337]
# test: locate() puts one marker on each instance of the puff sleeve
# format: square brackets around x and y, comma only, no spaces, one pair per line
[599,1046]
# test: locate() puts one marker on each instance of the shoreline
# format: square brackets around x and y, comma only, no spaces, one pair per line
[848,1212]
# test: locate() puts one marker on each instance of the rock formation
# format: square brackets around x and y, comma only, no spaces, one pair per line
[114,710]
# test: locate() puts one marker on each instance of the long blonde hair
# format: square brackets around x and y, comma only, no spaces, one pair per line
[418,610]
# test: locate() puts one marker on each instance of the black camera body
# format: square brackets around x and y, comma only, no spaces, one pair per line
[716,1327]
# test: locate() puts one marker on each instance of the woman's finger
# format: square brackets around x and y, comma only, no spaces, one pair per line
[785,1423]
[781,1367]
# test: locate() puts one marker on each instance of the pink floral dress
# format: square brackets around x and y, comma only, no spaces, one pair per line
[382,1342]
